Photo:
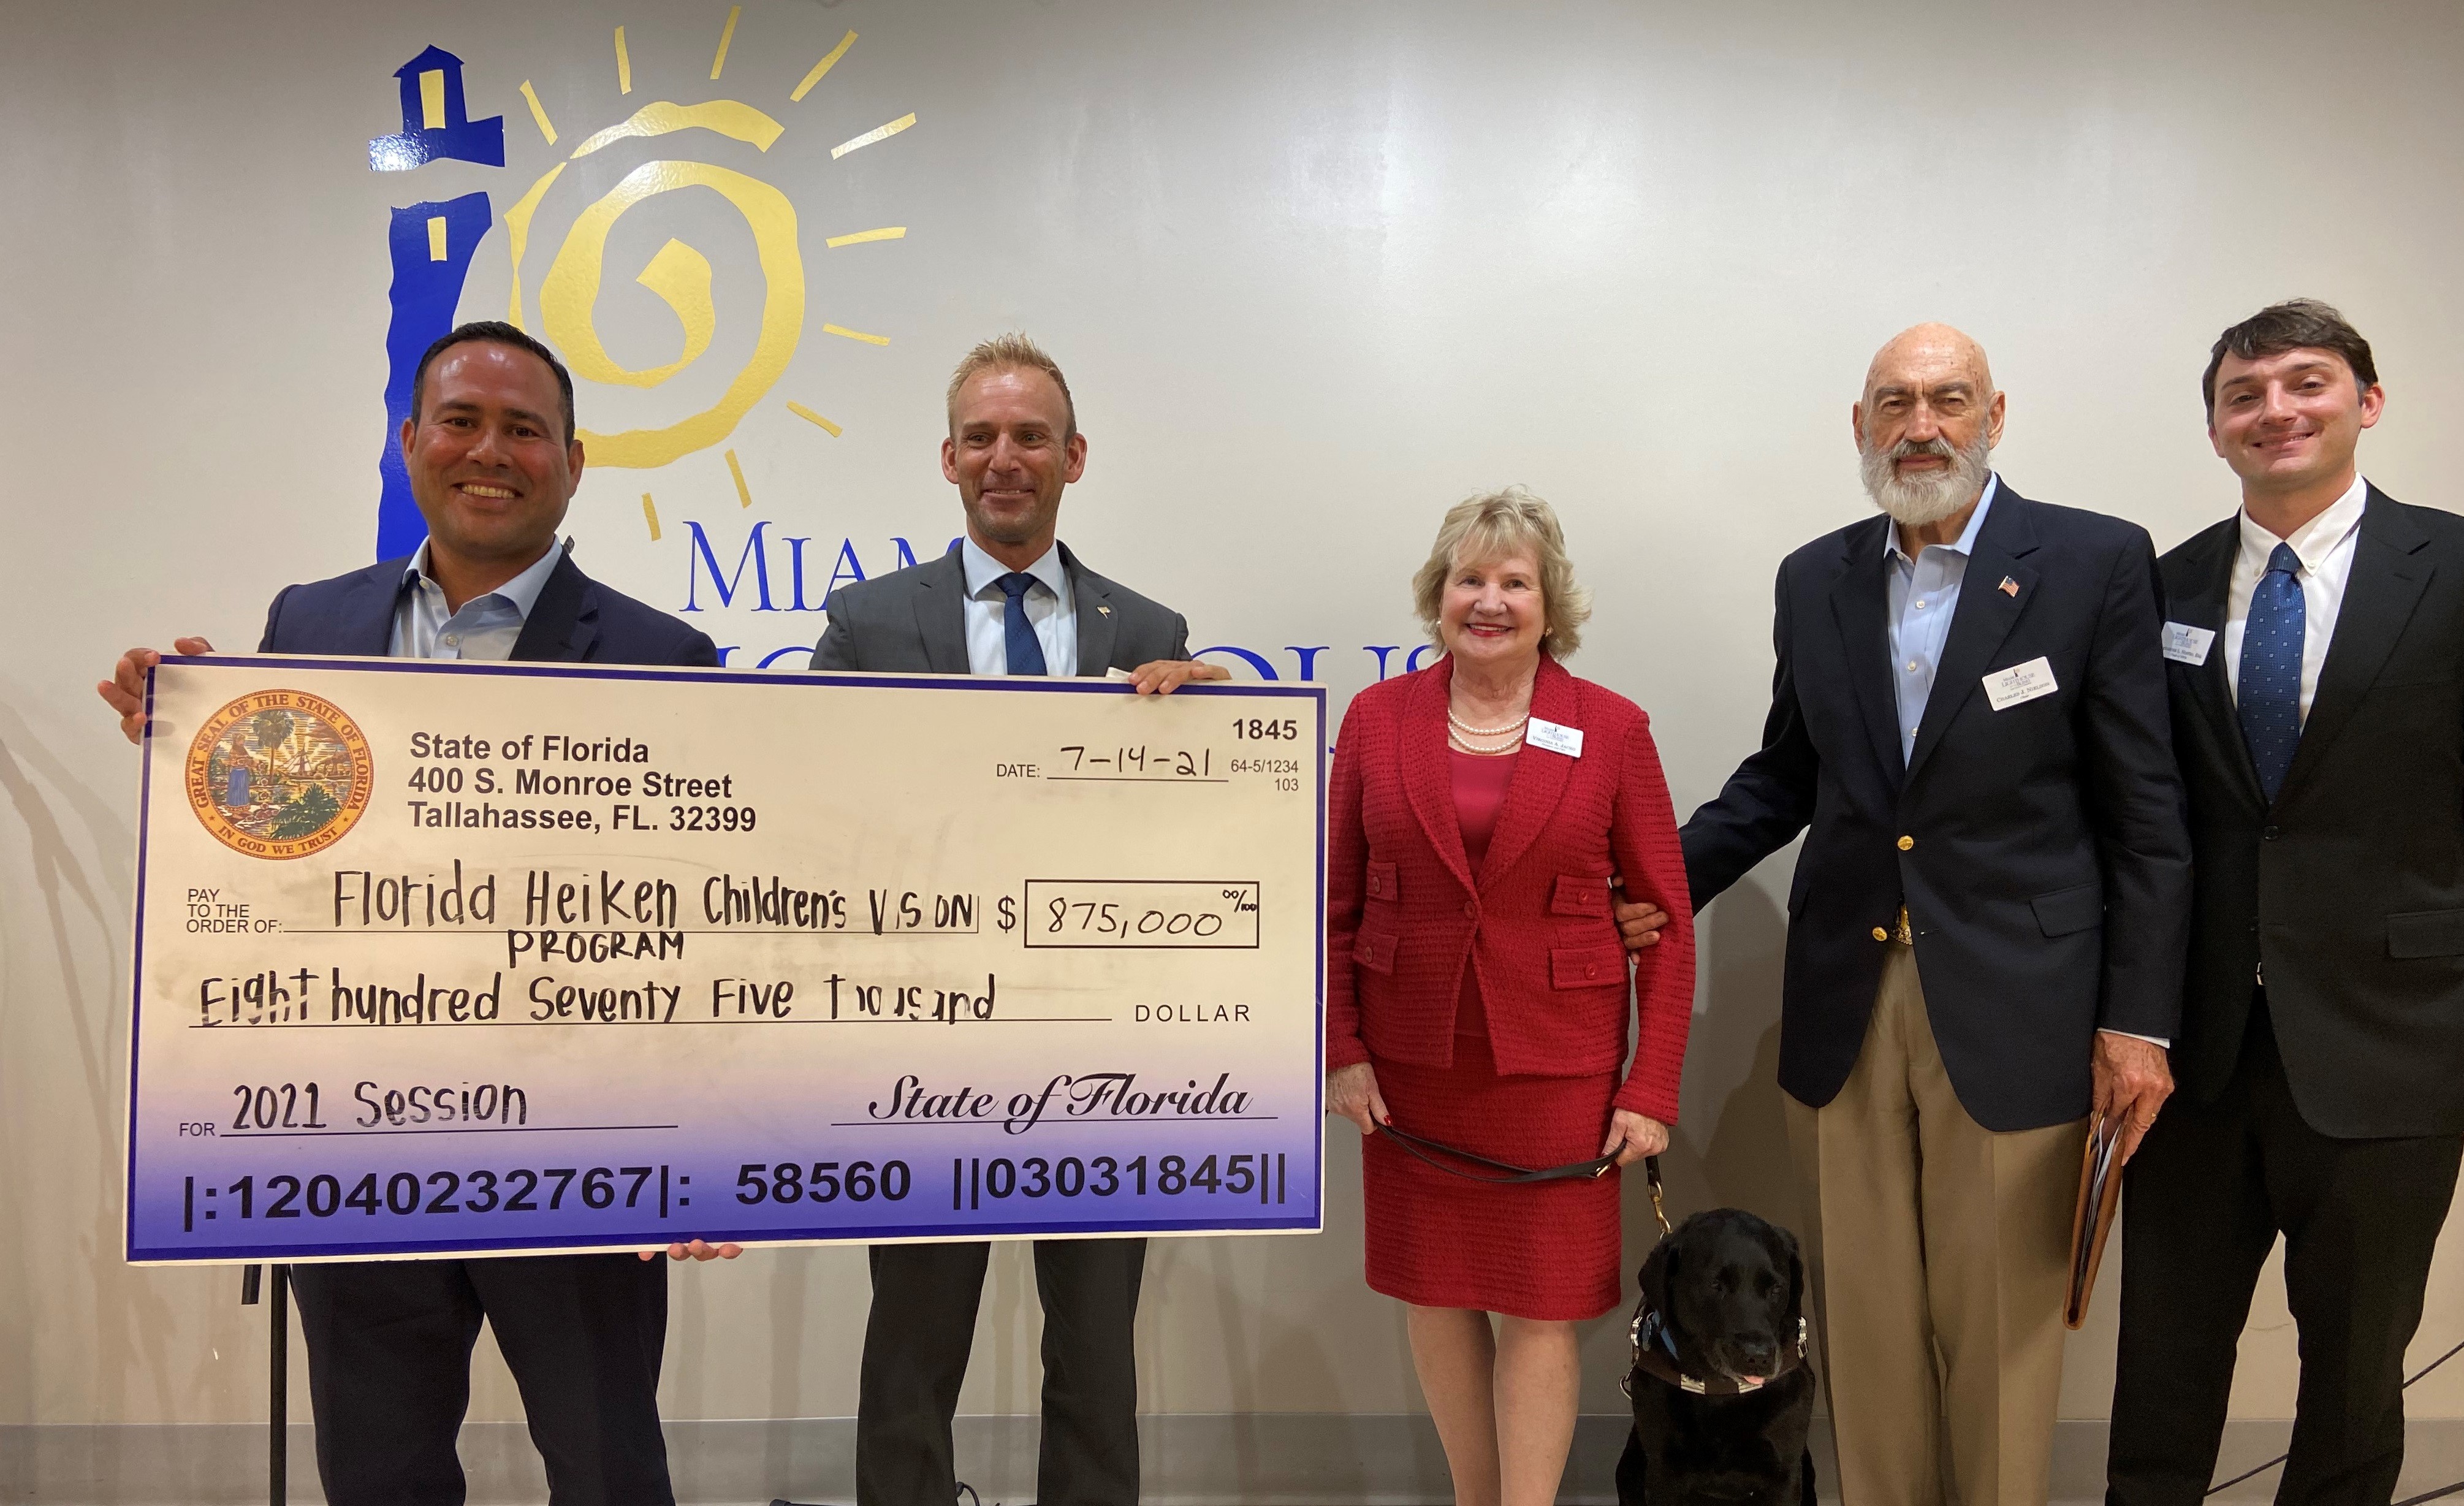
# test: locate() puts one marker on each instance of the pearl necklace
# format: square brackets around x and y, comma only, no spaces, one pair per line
[1480,741]
[1455,740]
[1468,730]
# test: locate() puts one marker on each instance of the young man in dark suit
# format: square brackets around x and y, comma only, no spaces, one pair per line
[1008,599]
[1986,927]
[493,461]
[2317,649]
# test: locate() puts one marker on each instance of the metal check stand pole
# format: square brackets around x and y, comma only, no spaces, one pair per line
[277,1440]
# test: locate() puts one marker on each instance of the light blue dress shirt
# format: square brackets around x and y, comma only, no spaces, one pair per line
[1924,591]
[486,628]
[1051,610]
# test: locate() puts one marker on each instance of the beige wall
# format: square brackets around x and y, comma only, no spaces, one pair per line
[1316,271]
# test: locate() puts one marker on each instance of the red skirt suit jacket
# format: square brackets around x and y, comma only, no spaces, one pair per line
[1404,918]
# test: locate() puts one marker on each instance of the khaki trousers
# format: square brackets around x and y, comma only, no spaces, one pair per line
[1937,1256]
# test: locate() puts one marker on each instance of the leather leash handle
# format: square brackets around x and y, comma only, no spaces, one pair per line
[1516,1176]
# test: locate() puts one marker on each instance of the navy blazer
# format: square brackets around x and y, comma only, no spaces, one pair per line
[575,620]
[2040,850]
[2350,887]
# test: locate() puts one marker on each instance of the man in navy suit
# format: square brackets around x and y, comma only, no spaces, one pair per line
[493,460]
[1986,926]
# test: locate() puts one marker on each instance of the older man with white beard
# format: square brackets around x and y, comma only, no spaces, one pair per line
[1986,926]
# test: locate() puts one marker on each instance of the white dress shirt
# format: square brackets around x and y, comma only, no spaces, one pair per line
[2324,545]
[486,628]
[1051,610]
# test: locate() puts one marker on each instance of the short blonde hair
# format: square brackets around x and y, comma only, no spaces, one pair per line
[1492,526]
[1012,352]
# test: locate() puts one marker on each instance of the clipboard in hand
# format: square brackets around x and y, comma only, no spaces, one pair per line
[2099,1194]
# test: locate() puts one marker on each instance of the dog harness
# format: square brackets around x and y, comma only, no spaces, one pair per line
[1655,1355]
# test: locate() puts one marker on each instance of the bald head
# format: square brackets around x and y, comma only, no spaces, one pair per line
[1927,425]
[1923,354]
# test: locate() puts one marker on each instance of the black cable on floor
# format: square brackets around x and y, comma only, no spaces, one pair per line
[2441,1494]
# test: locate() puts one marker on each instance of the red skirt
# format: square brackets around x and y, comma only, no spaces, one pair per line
[1548,1250]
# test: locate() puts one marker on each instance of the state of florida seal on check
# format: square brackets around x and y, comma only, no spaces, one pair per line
[440,959]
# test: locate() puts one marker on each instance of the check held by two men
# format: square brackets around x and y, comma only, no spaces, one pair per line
[441,958]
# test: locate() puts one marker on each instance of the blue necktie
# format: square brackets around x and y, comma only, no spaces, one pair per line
[1025,653]
[2271,671]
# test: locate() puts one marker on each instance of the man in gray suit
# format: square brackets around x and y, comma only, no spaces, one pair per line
[1009,599]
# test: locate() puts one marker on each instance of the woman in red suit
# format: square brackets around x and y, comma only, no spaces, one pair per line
[1478,814]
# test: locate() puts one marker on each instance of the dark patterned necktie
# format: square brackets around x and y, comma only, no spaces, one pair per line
[1026,651]
[2271,670]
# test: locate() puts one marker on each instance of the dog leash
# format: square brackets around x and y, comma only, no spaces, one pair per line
[1659,1208]
[1420,1147]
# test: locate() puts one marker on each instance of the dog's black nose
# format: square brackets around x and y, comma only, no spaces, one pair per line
[1757,1355]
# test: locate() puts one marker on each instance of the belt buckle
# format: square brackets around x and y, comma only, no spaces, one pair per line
[1904,936]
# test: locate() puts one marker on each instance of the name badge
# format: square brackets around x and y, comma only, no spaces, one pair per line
[2184,644]
[2020,682]
[1567,741]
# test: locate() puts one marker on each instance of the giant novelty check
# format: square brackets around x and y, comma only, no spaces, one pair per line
[437,959]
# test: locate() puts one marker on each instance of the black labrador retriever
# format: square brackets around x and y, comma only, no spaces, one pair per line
[1722,1392]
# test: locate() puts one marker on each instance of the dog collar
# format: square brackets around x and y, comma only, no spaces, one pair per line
[1655,1355]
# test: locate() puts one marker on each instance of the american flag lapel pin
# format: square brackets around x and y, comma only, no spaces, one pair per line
[2009,587]
[1106,611]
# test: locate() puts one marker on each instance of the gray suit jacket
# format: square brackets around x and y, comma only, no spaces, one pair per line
[913,621]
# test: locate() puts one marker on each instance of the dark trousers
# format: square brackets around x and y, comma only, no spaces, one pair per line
[2210,1188]
[915,1346]
[389,1372]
